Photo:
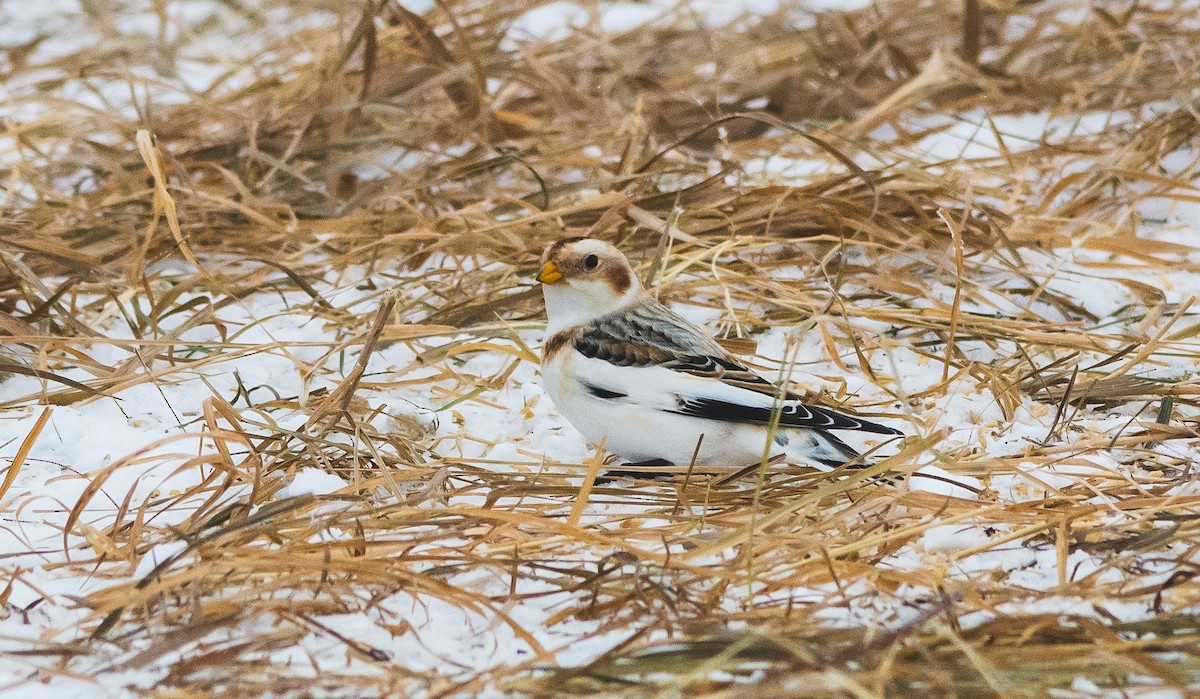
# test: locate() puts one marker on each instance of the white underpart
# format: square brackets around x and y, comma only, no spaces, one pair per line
[577,302]
[640,426]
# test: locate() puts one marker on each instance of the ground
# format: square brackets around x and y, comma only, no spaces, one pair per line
[271,422]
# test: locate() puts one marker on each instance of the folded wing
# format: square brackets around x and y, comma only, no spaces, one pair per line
[652,357]
[791,414]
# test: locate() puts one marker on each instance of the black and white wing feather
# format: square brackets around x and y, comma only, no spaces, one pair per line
[667,363]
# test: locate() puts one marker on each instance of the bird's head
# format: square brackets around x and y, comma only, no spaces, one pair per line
[583,279]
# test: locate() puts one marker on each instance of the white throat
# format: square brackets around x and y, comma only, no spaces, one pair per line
[572,304]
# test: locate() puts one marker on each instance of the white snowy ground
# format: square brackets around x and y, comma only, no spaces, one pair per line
[82,440]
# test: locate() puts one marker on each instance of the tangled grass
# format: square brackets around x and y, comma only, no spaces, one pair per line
[425,159]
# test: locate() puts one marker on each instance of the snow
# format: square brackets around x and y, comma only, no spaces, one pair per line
[161,553]
[552,22]
[312,481]
[953,537]
[510,428]
[141,441]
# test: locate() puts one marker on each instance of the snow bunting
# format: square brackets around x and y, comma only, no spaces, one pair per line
[627,371]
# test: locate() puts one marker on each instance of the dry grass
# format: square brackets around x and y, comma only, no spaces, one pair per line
[365,143]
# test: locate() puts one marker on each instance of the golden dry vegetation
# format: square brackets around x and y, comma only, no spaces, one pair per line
[422,161]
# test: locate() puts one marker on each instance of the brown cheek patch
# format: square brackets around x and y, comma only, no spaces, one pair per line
[558,342]
[619,278]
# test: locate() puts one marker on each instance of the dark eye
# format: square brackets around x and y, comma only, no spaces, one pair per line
[591,261]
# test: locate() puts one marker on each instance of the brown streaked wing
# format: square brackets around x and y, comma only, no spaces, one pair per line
[650,334]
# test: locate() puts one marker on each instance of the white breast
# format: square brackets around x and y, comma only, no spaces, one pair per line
[638,427]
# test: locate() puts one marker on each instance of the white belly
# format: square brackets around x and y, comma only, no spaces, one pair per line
[639,433]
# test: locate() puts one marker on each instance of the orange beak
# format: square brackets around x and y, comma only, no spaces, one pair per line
[549,274]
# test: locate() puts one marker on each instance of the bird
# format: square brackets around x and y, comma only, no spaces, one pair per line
[631,374]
